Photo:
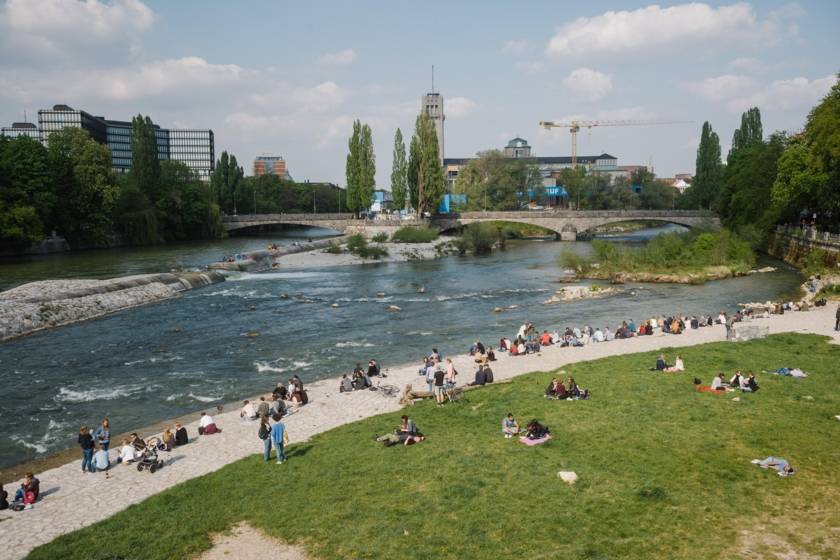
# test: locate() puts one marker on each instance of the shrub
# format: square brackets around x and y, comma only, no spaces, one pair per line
[481,236]
[380,237]
[333,248]
[815,262]
[356,242]
[408,234]
[573,261]
[358,245]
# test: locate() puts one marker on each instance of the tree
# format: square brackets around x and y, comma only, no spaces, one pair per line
[493,181]
[746,195]
[224,182]
[399,173]
[822,136]
[145,163]
[85,186]
[572,179]
[353,168]
[708,172]
[367,169]
[653,194]
[27,199]
[798,183]
[426,183]
[749,133]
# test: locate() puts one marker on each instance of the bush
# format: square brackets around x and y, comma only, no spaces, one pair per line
[358,245]
[356,242]
[408,234]
[815,262]
[333,248]
[573,261]
[481,237]
[380,237]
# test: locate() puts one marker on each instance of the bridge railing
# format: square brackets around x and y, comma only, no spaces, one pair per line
[629,214]
[809,233]
[267,217]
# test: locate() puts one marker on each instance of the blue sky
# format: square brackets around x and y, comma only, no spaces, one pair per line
[288,78]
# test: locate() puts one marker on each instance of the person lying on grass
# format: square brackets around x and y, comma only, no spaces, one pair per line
[510,427]
[406,433]
[781,466]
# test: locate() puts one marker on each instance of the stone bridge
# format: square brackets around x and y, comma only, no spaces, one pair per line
[565,223]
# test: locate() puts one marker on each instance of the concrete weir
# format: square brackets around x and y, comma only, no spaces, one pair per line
[53,303]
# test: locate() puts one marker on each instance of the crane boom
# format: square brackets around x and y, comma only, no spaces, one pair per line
[575,125]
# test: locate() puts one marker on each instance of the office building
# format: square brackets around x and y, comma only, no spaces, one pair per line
[432,105]
[193,147]
[21,129]
[271,165]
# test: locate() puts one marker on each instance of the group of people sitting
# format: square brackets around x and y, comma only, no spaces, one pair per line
[26,495]
[481,353]
[738,382]
[360,378]
[294,392]
[274,408]
[662,365]
[558,390]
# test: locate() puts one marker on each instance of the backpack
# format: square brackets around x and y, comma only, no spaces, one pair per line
[264,431]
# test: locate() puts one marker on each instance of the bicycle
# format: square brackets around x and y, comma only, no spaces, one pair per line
[454,394]
[386,390]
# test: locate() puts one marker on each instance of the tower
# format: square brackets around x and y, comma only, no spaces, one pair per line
[432,105]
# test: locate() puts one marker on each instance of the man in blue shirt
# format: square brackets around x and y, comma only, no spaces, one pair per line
[278,433]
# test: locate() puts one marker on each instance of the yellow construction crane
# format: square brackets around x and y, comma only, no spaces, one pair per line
[574,126]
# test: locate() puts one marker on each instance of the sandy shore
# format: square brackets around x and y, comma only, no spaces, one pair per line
[397,252]
[72,500]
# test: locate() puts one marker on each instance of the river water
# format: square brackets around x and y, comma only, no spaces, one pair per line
[145,365]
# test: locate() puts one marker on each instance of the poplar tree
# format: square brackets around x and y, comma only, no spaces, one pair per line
[425,174]
[399,173]
[749,133]
[367,168]
[225,180]
[708,173]
[352,168]
[145,165]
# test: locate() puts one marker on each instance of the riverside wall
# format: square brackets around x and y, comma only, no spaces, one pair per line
[794,248]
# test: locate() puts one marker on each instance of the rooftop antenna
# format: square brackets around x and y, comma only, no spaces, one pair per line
[433,78]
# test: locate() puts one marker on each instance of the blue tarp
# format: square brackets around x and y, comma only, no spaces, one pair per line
[450,200]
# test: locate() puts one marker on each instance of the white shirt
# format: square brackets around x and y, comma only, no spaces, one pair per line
[248,411]
[127,453]
[716,383]
[679,365]
[598,336]
[206,420]
[521,332]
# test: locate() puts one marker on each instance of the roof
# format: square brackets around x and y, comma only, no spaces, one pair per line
[23,125]
[517,143]
[539,160]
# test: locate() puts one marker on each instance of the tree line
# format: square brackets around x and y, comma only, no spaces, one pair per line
[784,178]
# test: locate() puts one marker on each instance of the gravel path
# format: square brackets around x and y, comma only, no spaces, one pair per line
[72,500]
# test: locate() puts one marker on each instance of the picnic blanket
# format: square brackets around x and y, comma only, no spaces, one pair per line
[528,441]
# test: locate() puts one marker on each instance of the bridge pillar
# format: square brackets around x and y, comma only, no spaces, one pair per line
[568,235]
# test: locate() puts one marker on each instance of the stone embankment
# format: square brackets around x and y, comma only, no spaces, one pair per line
[699,277]
[53,303]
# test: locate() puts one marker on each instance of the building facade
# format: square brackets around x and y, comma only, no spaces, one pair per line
[432,105]
[21,129]
[271,165]
[193,147]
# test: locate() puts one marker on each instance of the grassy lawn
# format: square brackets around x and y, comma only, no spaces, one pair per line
[664,473]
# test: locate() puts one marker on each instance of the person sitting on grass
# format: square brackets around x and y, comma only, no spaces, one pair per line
[406,433]
[535,430]
[781,466]
[207,426]
[752,385]
[736,380]
[510,427]
[678,366]
[661,364]
[717,383]
[488,373]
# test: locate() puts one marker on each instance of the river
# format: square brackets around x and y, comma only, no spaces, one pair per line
[148,364]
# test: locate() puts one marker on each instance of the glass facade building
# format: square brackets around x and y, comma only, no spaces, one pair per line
[193,147]
[21,129]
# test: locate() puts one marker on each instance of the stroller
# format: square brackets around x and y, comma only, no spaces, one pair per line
[149,459]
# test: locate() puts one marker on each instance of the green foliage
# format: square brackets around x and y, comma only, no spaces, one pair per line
[708,173]
[358,245]
[480,237]
[669,253]
[27,198]
[145,163]
[493,181]
[409,234]
[333,248]
[399,173]
[426,183]
[750,133]
[84,185]
[225,181]
[664,423]
[380,237]
[816,262]
[573,261]
[360,169]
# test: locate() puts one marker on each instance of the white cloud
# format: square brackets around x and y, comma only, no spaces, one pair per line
[785,94]
[588,83]
[165,77]
[515,46]
[721,88]
[341,58]
[619,32]
[60,28]
[318,99]
[459,107]
[749,65]
[531,68]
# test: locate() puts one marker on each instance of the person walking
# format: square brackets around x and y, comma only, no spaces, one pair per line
[102,435]
[86,443]
[279,437]
[837,319]
[264,434]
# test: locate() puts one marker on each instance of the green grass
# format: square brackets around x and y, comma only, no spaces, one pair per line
[664,473]
[409,234]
